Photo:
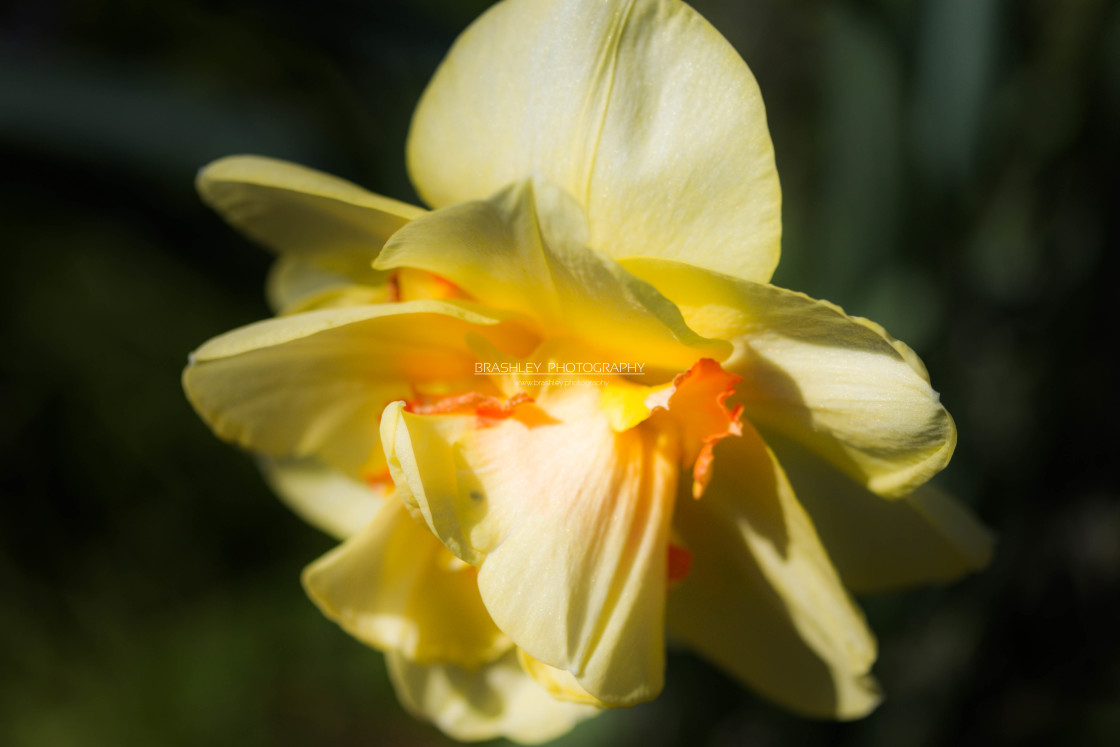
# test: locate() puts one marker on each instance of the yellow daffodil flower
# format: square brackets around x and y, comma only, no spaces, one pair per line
[563,416]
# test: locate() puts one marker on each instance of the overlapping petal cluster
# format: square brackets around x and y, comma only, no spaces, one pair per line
[521,543]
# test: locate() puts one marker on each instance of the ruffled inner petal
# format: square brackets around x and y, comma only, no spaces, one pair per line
[315,384]
[568,521]
[693,405]
[497,700]
[837,384]
[393,586]
[524,250]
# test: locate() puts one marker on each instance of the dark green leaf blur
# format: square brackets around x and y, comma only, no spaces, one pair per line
[950,169]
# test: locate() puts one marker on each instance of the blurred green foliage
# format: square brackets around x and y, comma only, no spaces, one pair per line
[949,169]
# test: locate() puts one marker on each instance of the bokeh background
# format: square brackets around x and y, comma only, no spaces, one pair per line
[949,169]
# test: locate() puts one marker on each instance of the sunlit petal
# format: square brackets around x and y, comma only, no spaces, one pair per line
[327,230]
[314,384]
[291,208]
[396,588]
[837,384]
[497,700]
[524,251]
[560,683]
[638,109]
[323,496]
[569,522]
[300,282]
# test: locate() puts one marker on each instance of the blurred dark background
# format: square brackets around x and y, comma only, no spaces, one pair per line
[949,169]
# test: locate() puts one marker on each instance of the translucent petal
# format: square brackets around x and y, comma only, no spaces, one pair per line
[323,496]
[290,208]
[569,522]
[497,700]
[522,251]
[301,282]
[639,109]
[559,683]
[880,545]
[838,384]
[393,586]
[762,599]
[314,384]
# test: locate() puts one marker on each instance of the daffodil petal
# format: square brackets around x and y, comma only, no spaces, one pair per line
[323,496]
[298,284]
[294,277]
[314,384]
[762,599]
[569,521]
[877,545]
[338,297]
[838,384]
[560,683]
[638,108]
[424,462]
[291,208]
[393,586]
[497,700]
[522,251]
[301,282]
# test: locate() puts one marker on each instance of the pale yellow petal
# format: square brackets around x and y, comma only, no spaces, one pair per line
[838,384]
[627,403]
[522,251]
[497,700]
[639,109]
[569,521]
[393,586]
[762,599]
[956,523]
[559,683]
[297,284]
[338,297]
[290,208]
[314,384]
[424,462]
[302,282]
[877,545]
[323,496]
